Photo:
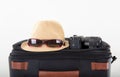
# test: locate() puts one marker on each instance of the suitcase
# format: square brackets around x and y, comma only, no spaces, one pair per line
[75,61]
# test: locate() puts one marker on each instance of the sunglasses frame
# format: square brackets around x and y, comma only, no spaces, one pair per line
[44,42]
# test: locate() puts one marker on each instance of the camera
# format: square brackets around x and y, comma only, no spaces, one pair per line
[80,42]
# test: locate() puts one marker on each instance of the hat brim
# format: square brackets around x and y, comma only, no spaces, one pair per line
[25,46]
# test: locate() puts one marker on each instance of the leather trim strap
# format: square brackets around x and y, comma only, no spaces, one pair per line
[19,65]
[58,73]
[99,66]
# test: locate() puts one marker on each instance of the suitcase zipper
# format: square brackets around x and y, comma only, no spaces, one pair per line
[96,54]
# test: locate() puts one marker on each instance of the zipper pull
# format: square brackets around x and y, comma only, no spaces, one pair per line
[113,59]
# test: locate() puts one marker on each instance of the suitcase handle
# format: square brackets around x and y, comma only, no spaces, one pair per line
[59,73]
[113,59]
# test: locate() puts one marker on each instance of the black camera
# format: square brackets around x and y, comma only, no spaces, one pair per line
[86,42]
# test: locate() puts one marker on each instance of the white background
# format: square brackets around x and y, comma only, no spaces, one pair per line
[81,17]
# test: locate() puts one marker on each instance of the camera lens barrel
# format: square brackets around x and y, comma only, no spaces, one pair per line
[92,42]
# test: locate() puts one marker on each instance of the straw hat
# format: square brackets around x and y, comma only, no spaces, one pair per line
[46,30]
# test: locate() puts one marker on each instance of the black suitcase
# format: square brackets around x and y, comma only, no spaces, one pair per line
[90,60]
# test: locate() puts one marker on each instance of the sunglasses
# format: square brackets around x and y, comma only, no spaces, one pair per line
[50,43]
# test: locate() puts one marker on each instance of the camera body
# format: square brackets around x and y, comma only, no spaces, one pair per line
[80,42]
[74,42]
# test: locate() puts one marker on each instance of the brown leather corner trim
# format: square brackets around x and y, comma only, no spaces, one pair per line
[19,65]
[99,66]
[58,73]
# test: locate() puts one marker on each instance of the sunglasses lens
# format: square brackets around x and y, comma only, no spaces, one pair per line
[54,43]
[34,42]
